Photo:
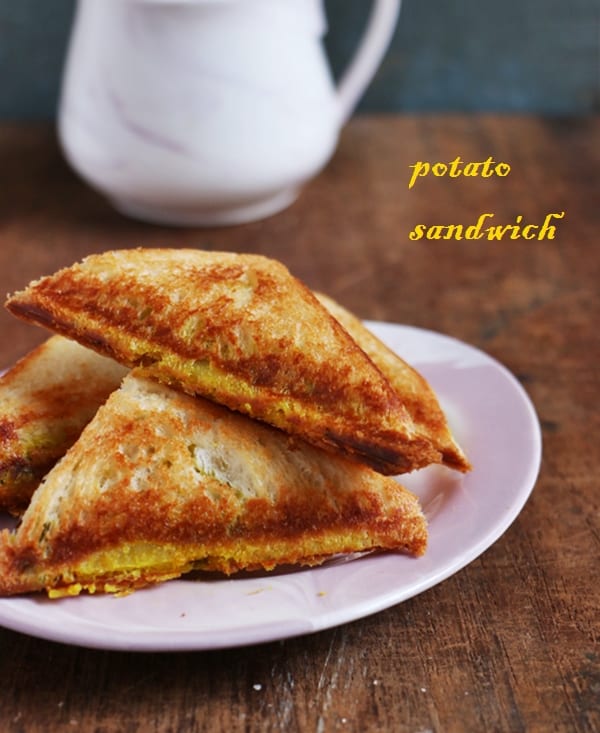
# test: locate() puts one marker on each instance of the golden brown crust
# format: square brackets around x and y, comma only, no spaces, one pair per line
[160,483]
[240,330]
[413,389]
[45,401]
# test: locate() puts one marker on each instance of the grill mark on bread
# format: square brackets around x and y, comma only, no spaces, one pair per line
[382,458]
[141,519]
[7,431]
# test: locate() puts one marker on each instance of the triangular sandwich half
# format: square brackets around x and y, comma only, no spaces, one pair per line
[239,330]
[417,395]
[46,399]
[161,483]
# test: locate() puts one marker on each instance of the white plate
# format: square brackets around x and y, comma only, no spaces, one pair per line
[495,423]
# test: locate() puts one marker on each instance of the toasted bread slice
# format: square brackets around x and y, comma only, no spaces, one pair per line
[161,483]
[45,401]
[239,330]
[415,392]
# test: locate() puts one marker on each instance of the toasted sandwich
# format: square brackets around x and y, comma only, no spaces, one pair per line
[241,331]
[46,399]
[161,483]
[415,392]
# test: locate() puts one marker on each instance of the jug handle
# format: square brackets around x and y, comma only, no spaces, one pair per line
[373,45]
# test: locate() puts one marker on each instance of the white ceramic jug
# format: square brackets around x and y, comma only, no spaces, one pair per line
[207,112]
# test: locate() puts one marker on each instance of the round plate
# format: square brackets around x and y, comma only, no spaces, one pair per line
[495,423]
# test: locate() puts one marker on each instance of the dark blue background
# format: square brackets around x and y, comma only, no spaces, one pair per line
[538,56]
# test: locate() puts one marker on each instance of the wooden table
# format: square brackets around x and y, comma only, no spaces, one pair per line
[510,643]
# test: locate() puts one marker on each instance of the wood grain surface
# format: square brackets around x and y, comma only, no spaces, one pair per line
[511,643]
